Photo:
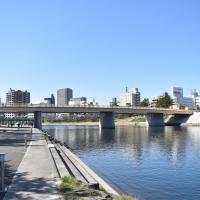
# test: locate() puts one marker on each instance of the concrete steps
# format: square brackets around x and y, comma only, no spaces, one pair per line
[67,165]
[94,176]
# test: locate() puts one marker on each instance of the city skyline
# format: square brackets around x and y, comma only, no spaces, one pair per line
[118,96]
[46,45]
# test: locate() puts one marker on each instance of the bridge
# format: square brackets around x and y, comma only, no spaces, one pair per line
[155,116]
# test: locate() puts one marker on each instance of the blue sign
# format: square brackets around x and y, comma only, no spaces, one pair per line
[2,157]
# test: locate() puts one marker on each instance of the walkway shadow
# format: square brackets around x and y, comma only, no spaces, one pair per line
[24,188]
[9,174]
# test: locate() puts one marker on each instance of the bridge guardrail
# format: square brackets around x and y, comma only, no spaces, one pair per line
[91,106]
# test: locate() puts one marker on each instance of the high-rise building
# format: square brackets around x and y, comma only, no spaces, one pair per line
[177,93]
[17,97]
[64,96]
[131,98]
[181,101]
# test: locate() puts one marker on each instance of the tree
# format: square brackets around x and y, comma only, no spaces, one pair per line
[164,101]
[144,103]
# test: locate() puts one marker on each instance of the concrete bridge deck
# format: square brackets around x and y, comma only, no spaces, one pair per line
[90,109]
[107,113]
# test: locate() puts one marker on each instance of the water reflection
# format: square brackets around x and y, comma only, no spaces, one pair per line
[107,135]
[144,161]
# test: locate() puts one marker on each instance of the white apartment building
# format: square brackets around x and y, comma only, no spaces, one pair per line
[131,98]
[80,101]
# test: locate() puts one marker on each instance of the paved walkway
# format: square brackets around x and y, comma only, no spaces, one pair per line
[12,144]
[36,176]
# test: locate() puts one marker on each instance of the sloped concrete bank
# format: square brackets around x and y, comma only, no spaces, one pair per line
[185,120]
[68,164]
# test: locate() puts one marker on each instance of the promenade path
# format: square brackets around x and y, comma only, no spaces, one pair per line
[12,144]
[36,176]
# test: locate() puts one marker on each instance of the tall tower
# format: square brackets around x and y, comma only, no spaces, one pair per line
[64,96]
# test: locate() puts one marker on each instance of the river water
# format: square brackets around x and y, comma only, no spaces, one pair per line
[150,163]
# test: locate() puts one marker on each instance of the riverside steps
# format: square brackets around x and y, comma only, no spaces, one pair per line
[75,167]
[36,176]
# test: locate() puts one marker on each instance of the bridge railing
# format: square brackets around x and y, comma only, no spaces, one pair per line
[89,106]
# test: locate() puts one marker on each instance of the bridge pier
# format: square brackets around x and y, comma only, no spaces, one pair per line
[107,120]
[155,119]
[38,119]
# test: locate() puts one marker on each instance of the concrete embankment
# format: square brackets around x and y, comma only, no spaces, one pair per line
[187,120]
[68,164]
[41,168]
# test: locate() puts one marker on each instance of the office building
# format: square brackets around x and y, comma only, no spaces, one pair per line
[180,101]
[177,93]
[131,98]
[64,96]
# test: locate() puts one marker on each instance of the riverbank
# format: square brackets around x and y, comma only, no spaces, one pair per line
[78,181]
[131,121]
[37,174]
[193,120]
[122,157]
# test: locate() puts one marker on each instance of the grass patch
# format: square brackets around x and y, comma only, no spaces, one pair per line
[139,119]
[69,187]
[71,120]
[70,183]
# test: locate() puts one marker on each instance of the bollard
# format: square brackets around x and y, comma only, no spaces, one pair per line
[31,132]
[25,140]
[2,160]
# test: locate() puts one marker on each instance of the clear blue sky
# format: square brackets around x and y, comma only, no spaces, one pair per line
[98,47]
